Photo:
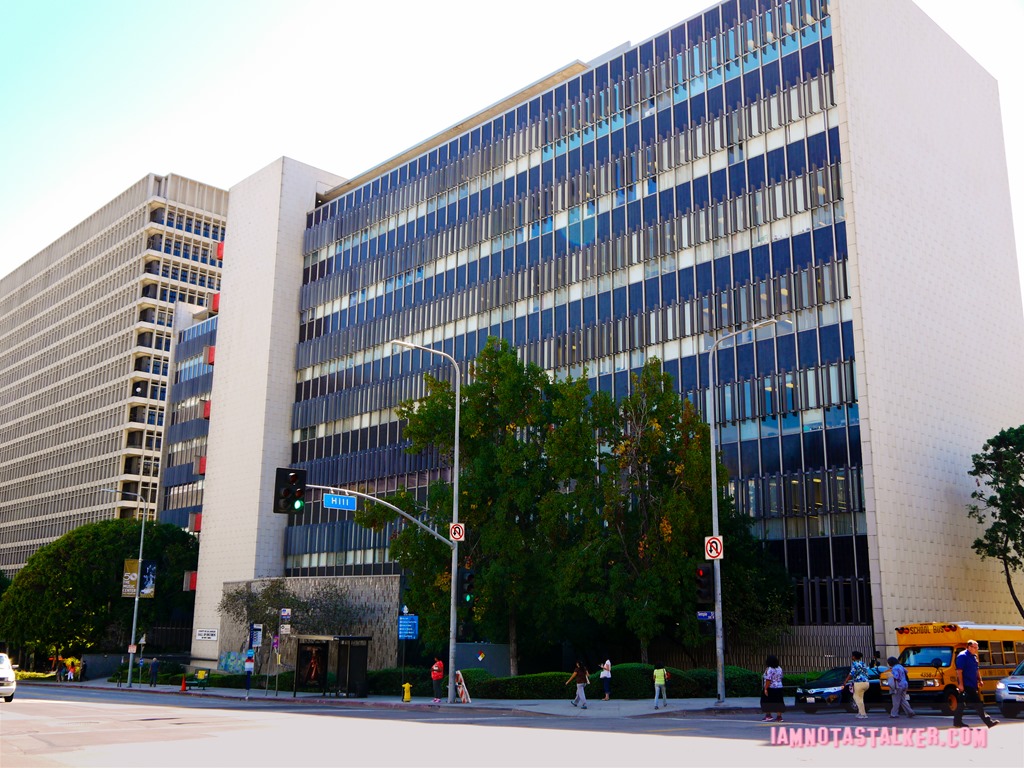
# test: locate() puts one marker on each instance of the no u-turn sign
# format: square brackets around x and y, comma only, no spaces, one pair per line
[713,548]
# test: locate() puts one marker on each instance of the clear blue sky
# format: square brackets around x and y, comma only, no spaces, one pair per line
[97,94]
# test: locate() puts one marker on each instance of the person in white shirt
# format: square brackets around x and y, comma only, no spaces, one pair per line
[606,679]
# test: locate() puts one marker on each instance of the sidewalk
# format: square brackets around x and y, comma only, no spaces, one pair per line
[595,708]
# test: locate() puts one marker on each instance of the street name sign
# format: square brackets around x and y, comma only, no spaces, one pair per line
[339,501]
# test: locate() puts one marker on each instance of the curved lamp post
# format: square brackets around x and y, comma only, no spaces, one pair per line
[455,508]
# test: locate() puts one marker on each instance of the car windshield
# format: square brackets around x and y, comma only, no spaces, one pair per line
[926,657]
[3,659]
[1019,671]
[831,678]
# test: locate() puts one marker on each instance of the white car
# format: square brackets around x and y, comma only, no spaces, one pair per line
[1010,692]
[7,682]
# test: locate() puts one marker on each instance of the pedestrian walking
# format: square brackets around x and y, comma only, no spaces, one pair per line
[81,670]
[606,679]
[582,677]
[154,671]
[898,687]
[772,700]
[71,671]
[968,683]
[660,684]
[859,676]
[436,676]
[62,670]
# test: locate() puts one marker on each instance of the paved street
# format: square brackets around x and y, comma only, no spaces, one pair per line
[48,725]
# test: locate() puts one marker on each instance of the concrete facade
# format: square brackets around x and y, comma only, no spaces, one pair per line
[253,384]
[935,303]
[86,327]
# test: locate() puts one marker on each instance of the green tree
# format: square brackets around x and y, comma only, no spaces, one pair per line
[506,414]
[5,582]
[425,560]
[68,595]
[638,545]
[999,474]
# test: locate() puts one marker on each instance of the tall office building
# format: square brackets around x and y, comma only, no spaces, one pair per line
[86,328]
[187,422]
[834,166]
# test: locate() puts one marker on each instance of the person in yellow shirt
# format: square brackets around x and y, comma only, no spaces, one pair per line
[660,684]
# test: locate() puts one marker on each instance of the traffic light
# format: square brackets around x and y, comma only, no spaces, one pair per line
[289,491]
[467,585]
[705,577]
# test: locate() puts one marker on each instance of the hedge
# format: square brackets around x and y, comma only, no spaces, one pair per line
[629,681]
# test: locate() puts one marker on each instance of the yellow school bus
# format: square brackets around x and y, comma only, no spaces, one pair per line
[928,650]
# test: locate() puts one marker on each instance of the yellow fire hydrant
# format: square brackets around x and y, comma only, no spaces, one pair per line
[406,691]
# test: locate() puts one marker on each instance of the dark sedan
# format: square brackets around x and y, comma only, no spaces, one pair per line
[828,692]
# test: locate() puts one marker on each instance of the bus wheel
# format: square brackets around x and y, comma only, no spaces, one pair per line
[951,702]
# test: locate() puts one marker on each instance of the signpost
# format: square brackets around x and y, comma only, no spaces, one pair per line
[338,501]
[714,548]
[408,629]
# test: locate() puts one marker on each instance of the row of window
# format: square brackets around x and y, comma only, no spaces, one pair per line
[582,93]
[192,222]
[674,163]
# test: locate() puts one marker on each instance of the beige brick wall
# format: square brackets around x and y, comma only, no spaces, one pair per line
[936,304]
[373,599]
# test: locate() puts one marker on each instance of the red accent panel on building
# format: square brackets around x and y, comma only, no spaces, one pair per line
[209,355]
[201,465]
[215,303]
[206,409]
[220,250]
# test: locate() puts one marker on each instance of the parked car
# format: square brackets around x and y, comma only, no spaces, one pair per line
[7,682]
[828,692]
[1010,692]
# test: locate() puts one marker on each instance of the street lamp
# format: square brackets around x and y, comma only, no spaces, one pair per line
[712,423]
[138,580]
[455,508]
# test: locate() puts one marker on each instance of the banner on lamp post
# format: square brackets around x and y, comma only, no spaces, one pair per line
[130,580]
[148,579]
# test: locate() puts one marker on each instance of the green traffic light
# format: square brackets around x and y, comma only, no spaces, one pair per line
[298,504]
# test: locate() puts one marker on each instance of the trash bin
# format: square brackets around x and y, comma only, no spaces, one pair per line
[406,691]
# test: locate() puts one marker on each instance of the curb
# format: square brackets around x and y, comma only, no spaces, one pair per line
[259,695]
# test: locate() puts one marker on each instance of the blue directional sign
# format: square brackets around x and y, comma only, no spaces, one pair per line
[338,501]
[408,627]
[705,615]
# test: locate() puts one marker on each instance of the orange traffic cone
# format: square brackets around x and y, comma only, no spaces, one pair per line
[183,683]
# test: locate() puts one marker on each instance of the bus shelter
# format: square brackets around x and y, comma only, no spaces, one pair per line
[347,654]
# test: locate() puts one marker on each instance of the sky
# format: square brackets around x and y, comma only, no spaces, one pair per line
[95,95]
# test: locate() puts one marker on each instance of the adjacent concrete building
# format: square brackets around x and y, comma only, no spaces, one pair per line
[86,328]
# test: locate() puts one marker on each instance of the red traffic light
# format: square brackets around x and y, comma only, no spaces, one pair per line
[705,583]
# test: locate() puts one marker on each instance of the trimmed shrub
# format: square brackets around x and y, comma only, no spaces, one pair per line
[738,682]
